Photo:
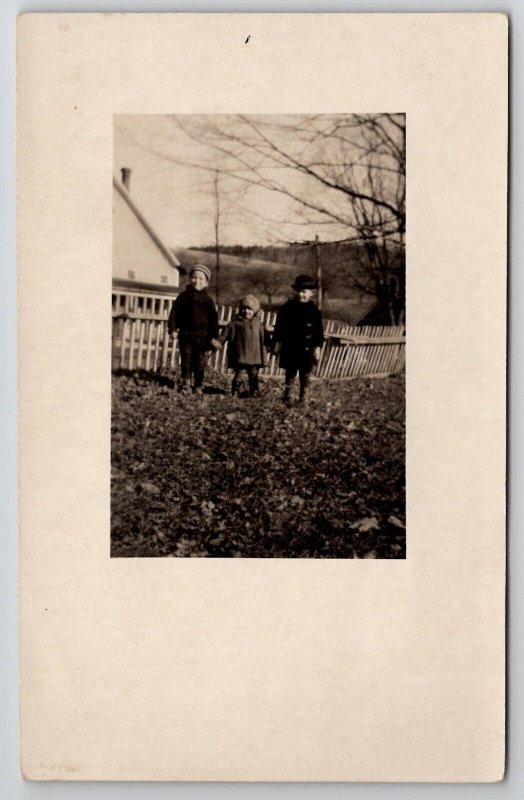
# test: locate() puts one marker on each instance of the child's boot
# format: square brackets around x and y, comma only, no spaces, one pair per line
[253,385]
[287,395]
[302,397]
[184,387]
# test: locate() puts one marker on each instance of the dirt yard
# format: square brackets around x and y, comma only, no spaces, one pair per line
[223,477]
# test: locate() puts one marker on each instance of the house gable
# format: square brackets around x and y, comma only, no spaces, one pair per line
[139,255]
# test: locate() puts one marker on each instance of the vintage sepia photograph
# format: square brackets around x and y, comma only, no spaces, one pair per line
[258,336]
[250,408]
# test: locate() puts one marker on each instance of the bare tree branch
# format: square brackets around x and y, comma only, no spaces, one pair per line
[341,175]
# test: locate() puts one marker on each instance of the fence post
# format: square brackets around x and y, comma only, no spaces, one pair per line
[141,341]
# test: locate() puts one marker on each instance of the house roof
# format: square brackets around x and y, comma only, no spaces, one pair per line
[168,255]
[143,286]
[351,311]
[367,309]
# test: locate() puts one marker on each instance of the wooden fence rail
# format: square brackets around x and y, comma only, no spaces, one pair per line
[140,341]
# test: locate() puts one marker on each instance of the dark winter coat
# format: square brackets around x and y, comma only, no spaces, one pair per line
[298,328]
[245,338]
[194,316]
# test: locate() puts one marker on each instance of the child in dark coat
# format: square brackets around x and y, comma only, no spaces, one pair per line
[194,317]
[298,336]
[245,338]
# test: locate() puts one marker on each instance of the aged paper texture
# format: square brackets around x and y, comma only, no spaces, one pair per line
[264,669]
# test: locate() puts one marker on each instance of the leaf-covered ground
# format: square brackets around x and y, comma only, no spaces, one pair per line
[219,477]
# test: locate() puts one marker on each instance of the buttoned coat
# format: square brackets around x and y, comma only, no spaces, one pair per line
[245,338]
[298,329]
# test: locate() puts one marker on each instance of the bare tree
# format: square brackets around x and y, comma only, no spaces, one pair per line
[343,175]
[221,201]
[268,282]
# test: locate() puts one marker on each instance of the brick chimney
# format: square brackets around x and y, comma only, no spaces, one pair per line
[126,177]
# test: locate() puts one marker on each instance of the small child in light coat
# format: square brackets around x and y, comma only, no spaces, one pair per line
[245,339]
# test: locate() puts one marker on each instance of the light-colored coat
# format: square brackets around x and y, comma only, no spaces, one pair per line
[245,342]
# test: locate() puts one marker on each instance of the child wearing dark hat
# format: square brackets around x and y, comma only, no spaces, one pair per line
[245,339]
[194,317]
[298,336]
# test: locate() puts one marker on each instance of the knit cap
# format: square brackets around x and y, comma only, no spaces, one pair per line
[201,268]
[250,301]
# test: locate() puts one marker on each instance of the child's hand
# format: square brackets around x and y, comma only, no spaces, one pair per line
[276,348]
[216,344]
[316,353]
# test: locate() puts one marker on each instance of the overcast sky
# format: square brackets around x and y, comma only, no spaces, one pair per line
[178,200]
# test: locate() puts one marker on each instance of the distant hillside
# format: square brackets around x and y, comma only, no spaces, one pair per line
[229,262]
[239,275]
[271,282]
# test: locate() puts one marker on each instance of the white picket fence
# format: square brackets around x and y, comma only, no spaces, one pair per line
[140,341]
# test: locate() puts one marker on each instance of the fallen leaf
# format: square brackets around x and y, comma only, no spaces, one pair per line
[298,501]
[366,524]
[151,488]
[396,522]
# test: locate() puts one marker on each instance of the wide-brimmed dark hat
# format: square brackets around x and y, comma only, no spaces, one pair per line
[304,282]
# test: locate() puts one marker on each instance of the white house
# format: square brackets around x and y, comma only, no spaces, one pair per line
[141,261]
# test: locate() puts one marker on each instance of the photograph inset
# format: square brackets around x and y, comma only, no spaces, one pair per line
[258,336]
